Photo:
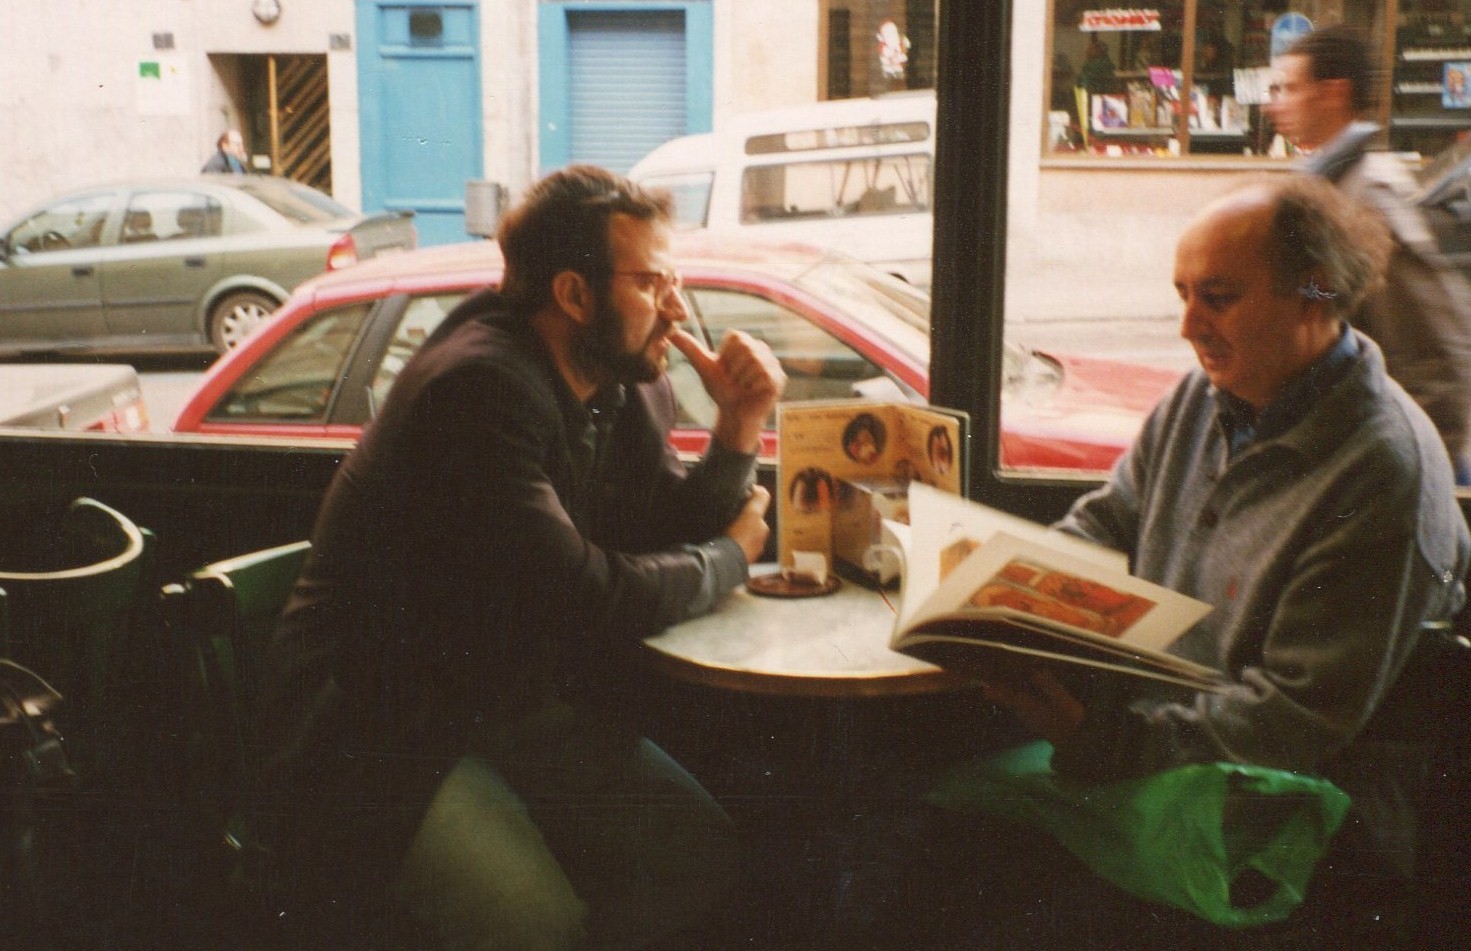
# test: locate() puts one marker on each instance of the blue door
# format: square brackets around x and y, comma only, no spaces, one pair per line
[419,95]
[618,79]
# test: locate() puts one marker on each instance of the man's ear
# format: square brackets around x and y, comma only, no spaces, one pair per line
[1342,93]
[573,295]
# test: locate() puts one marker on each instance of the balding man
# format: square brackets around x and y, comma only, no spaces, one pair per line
[229,156]
[1293,485]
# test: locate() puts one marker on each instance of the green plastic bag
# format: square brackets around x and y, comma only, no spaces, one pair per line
[1181,836]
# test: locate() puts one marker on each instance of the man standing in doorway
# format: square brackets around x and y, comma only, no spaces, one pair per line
[229,157]
[1422,317]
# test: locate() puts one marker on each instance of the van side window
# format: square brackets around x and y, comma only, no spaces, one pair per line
[811,139]
[839,188]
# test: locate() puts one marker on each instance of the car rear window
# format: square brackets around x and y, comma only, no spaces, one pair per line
[295,381]
[295,201]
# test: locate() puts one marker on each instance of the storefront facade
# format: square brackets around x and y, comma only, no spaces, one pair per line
[1126,118]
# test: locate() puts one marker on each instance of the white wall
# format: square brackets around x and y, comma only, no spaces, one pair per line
[74,112]
[765,54]
[508,92]
[69,96]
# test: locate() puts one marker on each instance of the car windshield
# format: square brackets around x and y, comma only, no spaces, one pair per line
[866,293]
[296,202]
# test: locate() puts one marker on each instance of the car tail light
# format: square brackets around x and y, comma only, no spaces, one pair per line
[343,253]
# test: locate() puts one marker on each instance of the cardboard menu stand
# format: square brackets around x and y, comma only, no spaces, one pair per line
[843,468]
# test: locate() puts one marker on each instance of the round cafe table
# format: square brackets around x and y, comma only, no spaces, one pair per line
[833,645]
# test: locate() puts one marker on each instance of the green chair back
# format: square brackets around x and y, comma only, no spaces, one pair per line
[222,615]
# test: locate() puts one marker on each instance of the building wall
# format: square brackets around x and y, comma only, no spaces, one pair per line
[73,111]
[766,54]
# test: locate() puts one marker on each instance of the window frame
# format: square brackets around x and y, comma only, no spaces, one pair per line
[971,182]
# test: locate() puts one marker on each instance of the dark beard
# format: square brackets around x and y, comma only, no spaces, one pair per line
[597,348]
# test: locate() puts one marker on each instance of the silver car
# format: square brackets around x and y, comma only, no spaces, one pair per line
[96,397]
[174,264]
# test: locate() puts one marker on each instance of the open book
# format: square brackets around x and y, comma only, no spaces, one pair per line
[978,581]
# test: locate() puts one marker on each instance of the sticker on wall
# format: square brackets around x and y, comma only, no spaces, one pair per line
[162,87]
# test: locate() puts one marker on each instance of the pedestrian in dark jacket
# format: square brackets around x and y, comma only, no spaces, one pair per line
[229,157]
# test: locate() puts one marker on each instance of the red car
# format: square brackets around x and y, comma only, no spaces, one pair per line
[323,363]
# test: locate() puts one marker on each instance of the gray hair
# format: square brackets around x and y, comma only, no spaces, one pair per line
[1320,242]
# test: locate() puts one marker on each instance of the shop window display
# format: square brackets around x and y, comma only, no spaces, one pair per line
[1179,78]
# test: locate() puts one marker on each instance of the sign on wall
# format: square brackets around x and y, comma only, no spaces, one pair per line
[162,87]
[1116,20]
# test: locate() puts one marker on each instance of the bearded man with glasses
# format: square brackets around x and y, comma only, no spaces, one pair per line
[440,713]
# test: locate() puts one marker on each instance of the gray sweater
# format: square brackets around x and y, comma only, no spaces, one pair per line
[1323,549]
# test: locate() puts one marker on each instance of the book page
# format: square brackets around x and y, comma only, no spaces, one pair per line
[940,520]
[1007,577]
[991,657]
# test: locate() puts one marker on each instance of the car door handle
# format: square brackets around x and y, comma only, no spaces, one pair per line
[194,262]
[82,270]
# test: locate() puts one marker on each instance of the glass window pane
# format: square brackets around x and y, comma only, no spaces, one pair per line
[1145,119]
[691,193]
[840,188]
[296,380]
[294,201]
[63,226]
[420,318]
[817,364]
[1128,82]
[152,216]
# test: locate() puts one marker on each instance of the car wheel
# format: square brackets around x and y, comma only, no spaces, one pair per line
[236,316]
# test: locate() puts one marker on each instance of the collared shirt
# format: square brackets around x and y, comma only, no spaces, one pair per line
[1243,425]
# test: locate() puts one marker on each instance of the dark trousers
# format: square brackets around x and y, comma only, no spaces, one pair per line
[562,830]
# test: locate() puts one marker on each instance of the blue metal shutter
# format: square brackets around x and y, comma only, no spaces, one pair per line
[627,82]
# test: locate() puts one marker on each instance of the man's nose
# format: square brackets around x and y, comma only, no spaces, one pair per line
[1192,323]
[673,308]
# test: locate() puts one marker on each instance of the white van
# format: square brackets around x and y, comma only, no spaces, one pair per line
[852,174]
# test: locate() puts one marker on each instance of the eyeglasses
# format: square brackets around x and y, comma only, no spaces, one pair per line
[660,282]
